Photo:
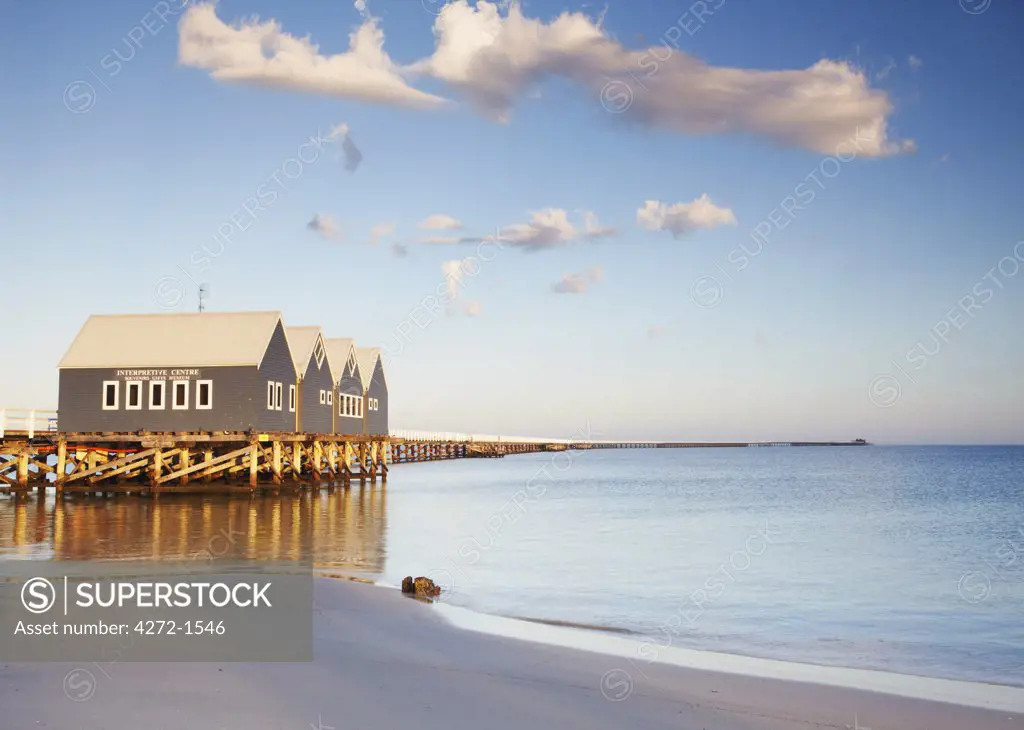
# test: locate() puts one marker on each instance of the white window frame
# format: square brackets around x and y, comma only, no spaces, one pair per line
[292,398]
[117,395]
[359,407]
[319,353]
[163,395]
[278,390]
[209,392]
[330,397]
[174,395]
[270,395]
[352,364]
[323,396]
[129,386]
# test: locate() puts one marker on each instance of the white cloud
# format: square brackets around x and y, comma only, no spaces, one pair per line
[549,228]
[494,58]
[494,55]
[456,271]
[381,230]
[945,157]
[262,53]
[915,62]
[352,154]
[682,218]
[453,271]
[546,228]
[578,283]
[440,222]
[593,229]
[325,226]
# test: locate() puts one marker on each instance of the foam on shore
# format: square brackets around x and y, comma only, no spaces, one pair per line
[968,694]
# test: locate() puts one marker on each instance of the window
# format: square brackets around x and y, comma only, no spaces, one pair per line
[111,394]
[350,405]
[318,352]
[270,395]
[180,390]
[156,394]
[133,396]
[323,396]
[291,398]
[204,394]
[352,364]
[330,397]
[278,387]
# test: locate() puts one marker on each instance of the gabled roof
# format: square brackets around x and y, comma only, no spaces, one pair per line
[367,357]
[302,341]
[197,339]
[338,351]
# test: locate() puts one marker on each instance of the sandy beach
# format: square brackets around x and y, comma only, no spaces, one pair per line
[385,661]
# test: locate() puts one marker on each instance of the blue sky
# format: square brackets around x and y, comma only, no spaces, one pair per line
[111,189]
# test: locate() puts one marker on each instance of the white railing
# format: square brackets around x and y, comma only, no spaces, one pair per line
[477,438]
[486,438]
[27,420]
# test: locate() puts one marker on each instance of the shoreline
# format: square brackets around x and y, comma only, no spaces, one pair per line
[961,693]
[625,644]
[384,661]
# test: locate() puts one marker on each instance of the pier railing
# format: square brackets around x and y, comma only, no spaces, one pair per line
[28,421]
[470,438]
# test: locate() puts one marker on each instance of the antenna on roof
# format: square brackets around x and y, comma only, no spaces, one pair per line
[204,291]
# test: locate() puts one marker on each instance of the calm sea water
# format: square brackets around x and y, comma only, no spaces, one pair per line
[906,559]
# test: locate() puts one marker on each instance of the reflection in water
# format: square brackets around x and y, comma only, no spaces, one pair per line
[341,530]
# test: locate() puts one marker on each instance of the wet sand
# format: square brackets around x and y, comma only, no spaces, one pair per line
[384,661]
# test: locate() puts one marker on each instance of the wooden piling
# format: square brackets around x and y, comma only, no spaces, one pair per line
[254,451]
[62,465]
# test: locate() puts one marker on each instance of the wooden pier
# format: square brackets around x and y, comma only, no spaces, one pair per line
[149,462]
[34,455]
